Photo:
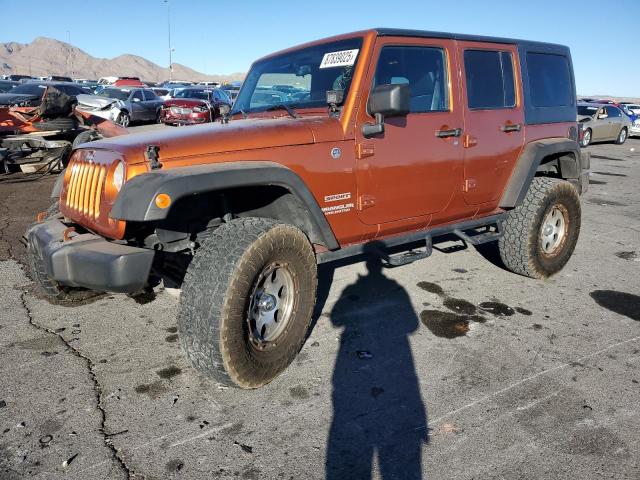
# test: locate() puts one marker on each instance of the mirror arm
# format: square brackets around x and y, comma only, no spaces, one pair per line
[372,129]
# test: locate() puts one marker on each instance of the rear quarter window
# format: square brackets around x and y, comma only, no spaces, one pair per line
[550,81]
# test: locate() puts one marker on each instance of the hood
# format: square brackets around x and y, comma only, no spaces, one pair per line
[215,138]
[17,98]
[95,101]
[184,102]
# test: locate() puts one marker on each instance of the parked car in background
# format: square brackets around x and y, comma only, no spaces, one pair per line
[163,93]
[634,107]
[30,94]
[17,78]
[123,105]
[210,84]
[6,85]
[601,123]
[59,78]
[194,105]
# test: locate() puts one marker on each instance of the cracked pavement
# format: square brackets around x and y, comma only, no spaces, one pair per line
[544,384]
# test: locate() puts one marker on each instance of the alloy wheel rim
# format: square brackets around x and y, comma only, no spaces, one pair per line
[271,304]
[623,135]
[553,231]
[587,137]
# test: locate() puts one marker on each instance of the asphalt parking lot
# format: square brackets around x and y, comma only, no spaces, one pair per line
[393,381]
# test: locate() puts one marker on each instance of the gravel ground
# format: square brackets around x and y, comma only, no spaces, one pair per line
[391,384]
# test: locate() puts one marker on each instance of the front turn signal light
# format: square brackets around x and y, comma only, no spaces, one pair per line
[163,200]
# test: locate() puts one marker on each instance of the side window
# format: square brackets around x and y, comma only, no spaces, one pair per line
[613,112]
[137,94]
[150,95]
[423,69]
[490,81]
[549,80]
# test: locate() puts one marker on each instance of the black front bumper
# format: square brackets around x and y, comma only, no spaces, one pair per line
[88,260]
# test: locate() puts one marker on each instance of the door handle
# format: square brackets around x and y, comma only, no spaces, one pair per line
[455,132]
[511,127]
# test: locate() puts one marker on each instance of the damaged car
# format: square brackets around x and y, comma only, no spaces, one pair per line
[123,105]
[38,130]
[195,105]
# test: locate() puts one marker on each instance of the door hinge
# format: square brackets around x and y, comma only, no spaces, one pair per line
[469,184]
[364,150]
[366,201]
[469,141]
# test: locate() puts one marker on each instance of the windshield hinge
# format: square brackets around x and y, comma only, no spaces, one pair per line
[152,154]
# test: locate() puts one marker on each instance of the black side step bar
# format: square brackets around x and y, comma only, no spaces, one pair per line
[467,231]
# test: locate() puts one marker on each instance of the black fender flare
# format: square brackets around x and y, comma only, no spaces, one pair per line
[136,200]
[529,160]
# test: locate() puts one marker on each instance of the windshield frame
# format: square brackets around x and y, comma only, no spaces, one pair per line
[251,83]
[41,87]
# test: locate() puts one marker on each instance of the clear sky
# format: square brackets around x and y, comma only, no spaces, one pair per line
[225,37]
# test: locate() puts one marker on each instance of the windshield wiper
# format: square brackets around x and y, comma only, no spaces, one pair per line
[283,106]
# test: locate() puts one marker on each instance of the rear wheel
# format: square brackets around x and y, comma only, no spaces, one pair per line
[622,136]
[541,233]
[247,301]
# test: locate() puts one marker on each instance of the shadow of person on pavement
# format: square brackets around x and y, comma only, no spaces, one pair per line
[378,413]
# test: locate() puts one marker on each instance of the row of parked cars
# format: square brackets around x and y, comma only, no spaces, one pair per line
[607,120]
[126,99]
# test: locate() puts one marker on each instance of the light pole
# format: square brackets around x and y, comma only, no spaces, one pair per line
[69,64]
[169,38]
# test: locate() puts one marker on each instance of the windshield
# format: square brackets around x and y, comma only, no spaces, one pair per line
[115,93]
[29,89]
[197,94]
[300,78]
[588,111]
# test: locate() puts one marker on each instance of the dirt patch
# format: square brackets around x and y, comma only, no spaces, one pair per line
[19,205]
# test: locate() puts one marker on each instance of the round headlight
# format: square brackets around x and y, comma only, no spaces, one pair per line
[118,176]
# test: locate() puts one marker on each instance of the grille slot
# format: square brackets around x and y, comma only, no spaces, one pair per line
[86,186]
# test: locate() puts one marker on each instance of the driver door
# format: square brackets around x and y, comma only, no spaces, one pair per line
[137,106]
[414,167]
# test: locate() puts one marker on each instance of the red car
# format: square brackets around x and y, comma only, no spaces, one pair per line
[194,105]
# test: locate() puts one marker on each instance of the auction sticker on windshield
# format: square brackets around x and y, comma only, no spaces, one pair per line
[343,58]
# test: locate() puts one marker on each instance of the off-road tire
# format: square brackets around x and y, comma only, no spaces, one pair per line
[521,245]
[45,285]
[213,316]
[622,136]
[586,141]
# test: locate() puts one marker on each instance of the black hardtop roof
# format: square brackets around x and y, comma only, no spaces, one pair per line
[400,32]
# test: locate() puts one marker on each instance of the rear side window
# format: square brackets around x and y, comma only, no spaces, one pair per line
[490,82]
[549,80]
[423,69]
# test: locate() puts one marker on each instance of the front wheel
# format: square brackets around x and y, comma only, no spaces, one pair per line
[586,138]
[124,119]
[247,301]
[45,285]
[541,233]
[622,136]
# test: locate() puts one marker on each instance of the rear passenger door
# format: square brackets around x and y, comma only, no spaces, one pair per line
[138,112]
[493,119]
[614,119]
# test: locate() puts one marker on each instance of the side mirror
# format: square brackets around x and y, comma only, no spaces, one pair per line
[135,99]
[386,101]
[224,109]
[602,116]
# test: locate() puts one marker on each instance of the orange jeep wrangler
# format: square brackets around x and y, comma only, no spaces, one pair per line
[381,140]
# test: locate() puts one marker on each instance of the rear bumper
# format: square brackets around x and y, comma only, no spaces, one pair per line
[88,260]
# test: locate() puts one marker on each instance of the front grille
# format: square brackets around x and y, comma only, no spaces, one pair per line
[85,188]
[180,111]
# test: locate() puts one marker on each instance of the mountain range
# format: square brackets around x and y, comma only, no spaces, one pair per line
[47,56]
